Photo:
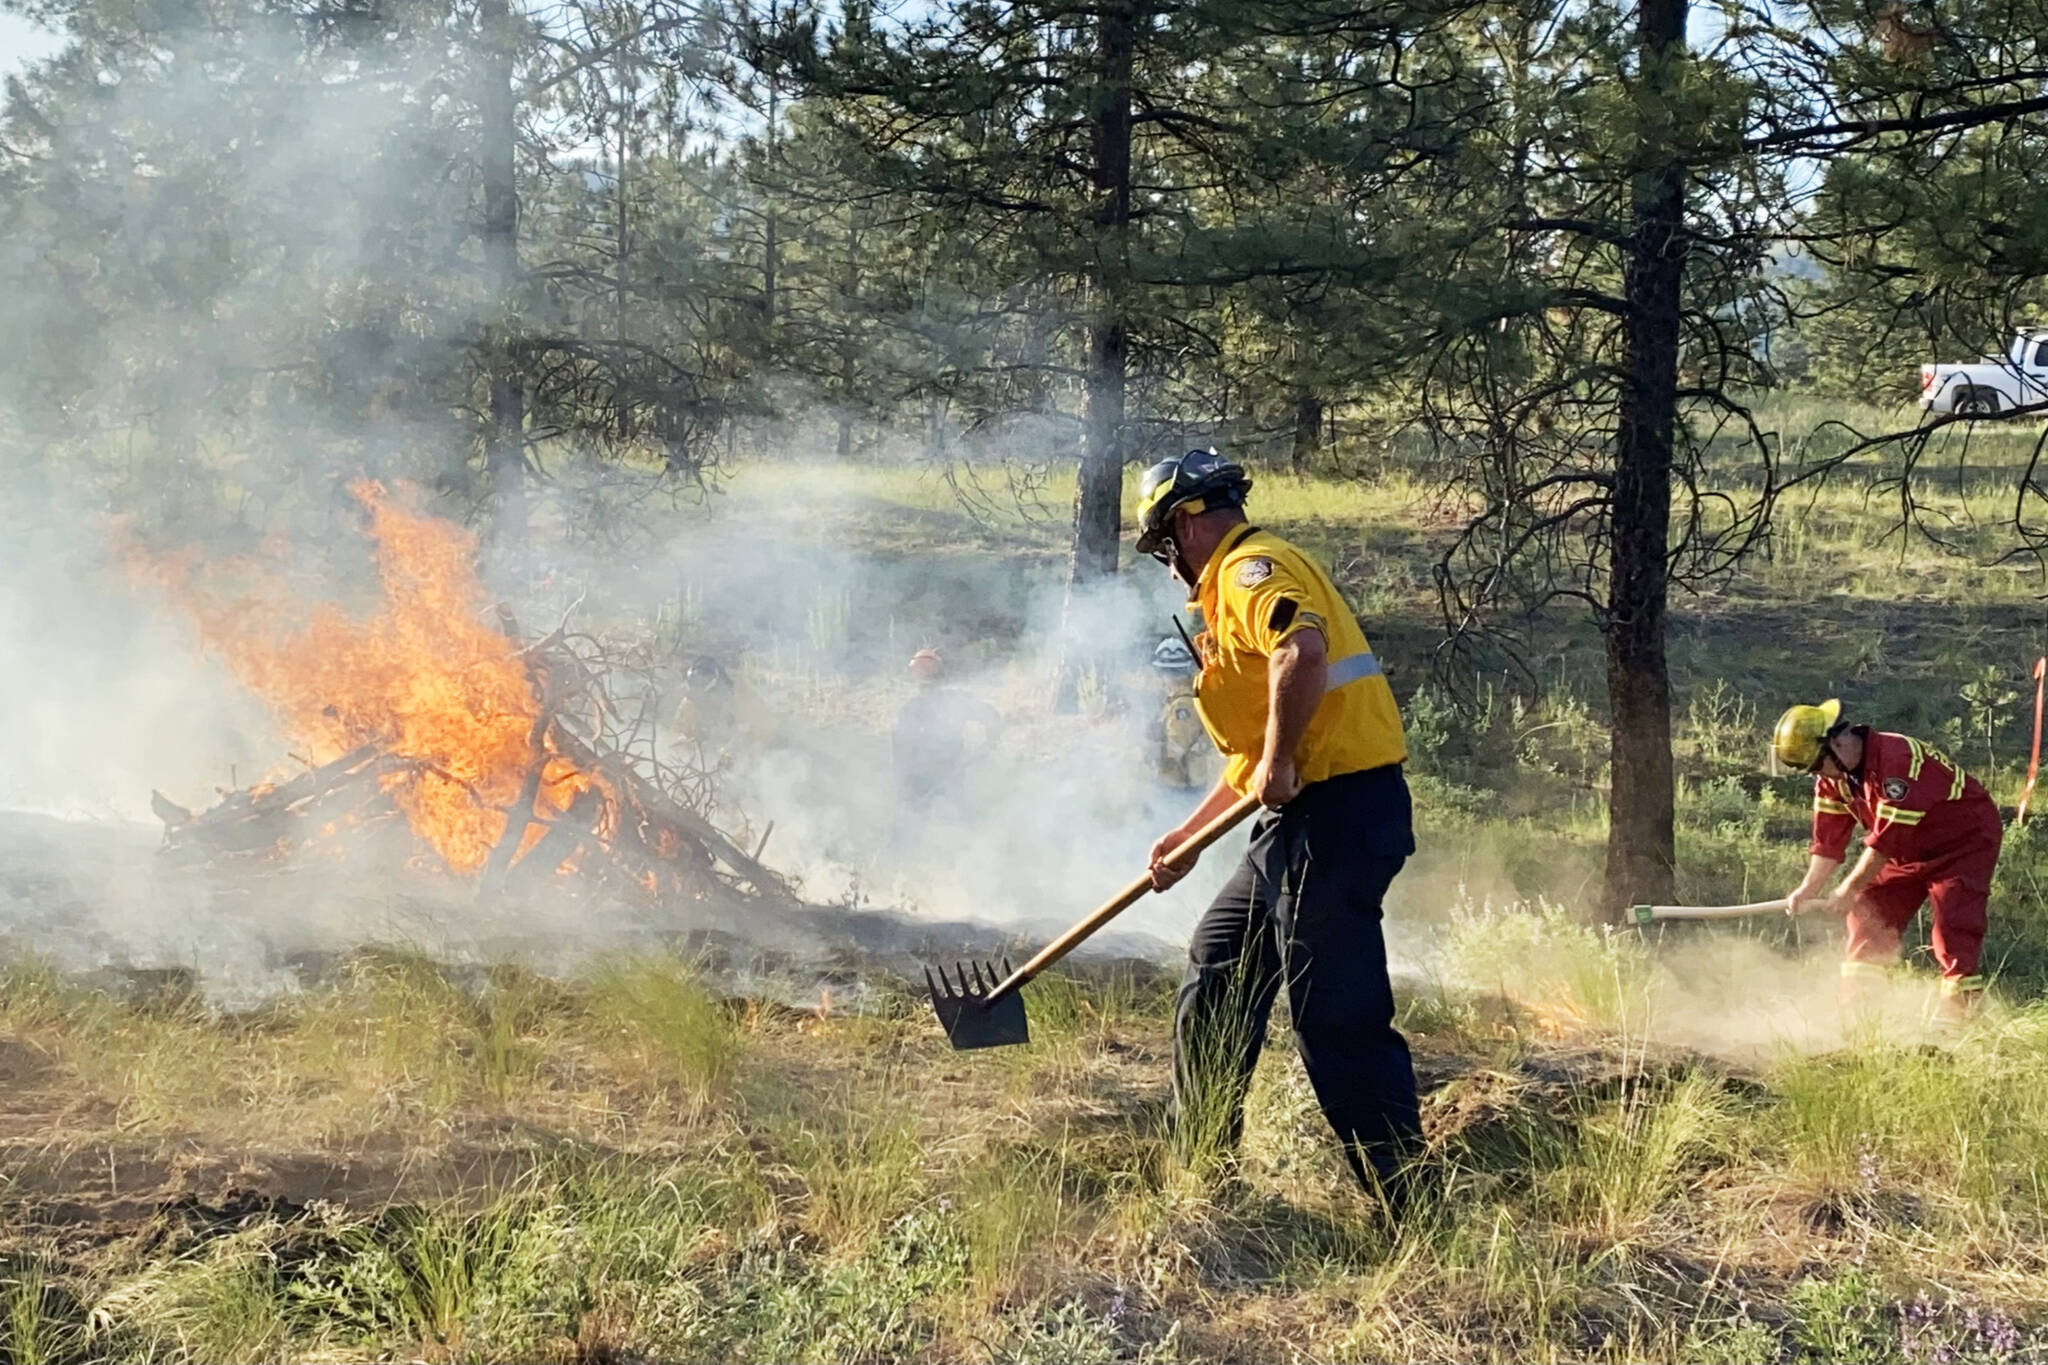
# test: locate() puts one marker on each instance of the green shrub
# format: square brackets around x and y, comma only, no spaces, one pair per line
[1843,1320]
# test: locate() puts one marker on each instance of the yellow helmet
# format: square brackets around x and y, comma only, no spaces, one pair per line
[1796,743]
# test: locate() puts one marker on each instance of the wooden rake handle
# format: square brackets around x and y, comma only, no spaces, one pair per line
[1185,854]
[1644,914]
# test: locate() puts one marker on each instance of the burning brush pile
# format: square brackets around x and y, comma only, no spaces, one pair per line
[433,730]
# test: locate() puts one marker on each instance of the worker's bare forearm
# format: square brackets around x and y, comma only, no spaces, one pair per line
[1218,799]
[1818,871]
[1166,873]
[1297,675]
[1863,874]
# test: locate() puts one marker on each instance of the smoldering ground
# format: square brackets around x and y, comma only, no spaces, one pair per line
[1743,992]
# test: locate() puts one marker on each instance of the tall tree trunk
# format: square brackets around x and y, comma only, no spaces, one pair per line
[622,241]
[1640,846]
[1038,302]
[849,361]
[771,227]
[1098,492]
[1308,430]
[1098,497]
[505,432]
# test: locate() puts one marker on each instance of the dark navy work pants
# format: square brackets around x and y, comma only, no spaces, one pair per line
[1303,908]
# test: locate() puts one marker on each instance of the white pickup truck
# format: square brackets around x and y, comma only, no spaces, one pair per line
[1994,385]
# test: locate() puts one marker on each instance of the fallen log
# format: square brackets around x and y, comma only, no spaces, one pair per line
[521,814]
[567,835]
[654,805]
[259,817]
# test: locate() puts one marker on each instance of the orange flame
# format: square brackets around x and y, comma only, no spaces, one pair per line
[424,678]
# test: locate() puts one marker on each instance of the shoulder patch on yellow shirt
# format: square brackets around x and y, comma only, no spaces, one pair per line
[1254,571]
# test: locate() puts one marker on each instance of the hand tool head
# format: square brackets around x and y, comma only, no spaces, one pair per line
[970,1018]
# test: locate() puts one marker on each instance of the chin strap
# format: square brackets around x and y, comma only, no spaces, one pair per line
[1177,564]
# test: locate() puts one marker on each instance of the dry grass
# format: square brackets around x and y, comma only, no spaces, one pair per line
[805,1189]
[411,1160]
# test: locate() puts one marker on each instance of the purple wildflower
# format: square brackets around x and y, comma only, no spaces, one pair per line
[2000,1333]
[1914,1323]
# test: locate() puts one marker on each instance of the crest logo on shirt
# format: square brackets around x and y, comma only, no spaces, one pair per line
[1253,572]
[1895,788]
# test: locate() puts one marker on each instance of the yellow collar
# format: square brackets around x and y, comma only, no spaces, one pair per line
[1207,578]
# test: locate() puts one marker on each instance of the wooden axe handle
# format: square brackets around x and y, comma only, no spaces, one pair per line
[1643,914]
[1124,899]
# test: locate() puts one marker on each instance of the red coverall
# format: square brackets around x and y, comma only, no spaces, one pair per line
[1940,833]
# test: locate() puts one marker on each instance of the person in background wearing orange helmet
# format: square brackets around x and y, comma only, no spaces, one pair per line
[929,744]
[1931,834]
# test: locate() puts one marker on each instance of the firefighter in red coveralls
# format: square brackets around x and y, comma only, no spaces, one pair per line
[1931,834]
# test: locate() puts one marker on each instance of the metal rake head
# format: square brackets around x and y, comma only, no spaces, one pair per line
[971,1019]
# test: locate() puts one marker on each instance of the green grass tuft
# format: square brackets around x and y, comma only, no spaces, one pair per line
[660,1009]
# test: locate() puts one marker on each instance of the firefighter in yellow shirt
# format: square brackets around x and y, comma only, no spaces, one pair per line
[1296,700]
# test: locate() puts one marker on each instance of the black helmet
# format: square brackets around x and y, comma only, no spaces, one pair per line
[706,674]
[1199,476]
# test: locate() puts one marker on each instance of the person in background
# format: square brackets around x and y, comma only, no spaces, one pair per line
[929,744]
[1181,752]
[1931,833]
[720,715]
